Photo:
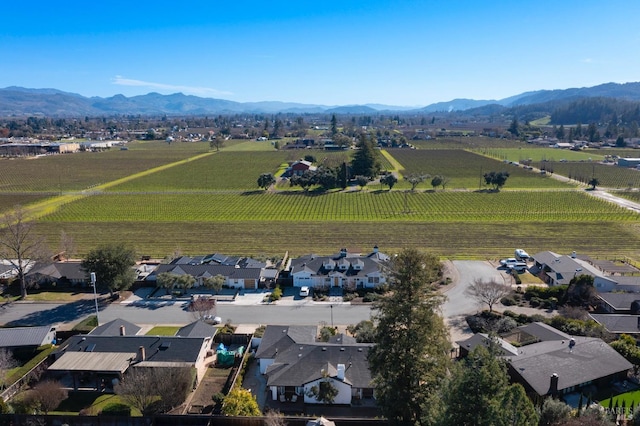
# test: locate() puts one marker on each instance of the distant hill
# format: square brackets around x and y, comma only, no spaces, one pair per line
[19,101]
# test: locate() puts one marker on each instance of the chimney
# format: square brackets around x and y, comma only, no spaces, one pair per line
[122,332]
[553,388]
[142,355]
[343,252]
[375,248]
[573,255]
[341,369]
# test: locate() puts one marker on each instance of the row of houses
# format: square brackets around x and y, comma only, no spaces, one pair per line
[344,269]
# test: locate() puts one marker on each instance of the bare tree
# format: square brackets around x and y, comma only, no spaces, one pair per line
[155,389]
[67,246]
[488,292]
[18,244]
[416,179]
[200,307]
[47,395]
[7,362]
[274,418]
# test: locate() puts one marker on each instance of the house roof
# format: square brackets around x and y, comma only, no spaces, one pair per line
[544,332]
[208,270]
[157,348]
[113,328]
[590,359]
[564,268]
[57,270]
[301,364]
[23,336]
[197,329]
[277,338]
[619,301]
[483,339]
[106,362]
[344,264]
[618,323]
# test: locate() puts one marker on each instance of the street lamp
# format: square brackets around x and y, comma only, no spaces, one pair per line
[95,294]
[331,315]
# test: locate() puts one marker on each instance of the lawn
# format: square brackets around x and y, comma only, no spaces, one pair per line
[163,331]
[628,398]
[92,402]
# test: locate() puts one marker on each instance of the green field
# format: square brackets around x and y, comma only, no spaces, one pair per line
[609,175]
[465,169]
[162,198]
[537,154]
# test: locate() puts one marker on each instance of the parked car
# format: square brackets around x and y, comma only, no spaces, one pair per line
[304,291]
[522,255]
[513,263]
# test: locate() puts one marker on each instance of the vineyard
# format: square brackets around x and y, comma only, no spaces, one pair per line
[538,154]
[212,203]
[395,206]
[464,169]
[609,175]
[75,172]
[483,240]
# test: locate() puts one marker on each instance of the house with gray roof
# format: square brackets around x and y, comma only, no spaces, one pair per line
[117,327]
[236,277]
[558,269]
[556,365]
[95,358]
[618,323]
[27,337]
[60,273]
[346,270]
[300,363]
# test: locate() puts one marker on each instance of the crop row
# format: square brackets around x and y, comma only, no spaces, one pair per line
[465,169]
[73,172]
[608,175]
[385,206]
[448,239]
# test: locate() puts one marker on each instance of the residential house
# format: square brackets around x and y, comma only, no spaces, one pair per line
[557,269]
[27,337]
[93,359]
[58,273]
[295,368]
[344,270]
[618,323]
[556,365]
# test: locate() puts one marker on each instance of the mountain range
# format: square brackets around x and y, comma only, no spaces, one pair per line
[20,101]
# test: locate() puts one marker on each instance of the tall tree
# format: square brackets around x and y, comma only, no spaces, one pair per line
[19,245]
[411,357]
[334,125]
[113,265]
[478,393]
[496,179]
[389,179]
[365,161]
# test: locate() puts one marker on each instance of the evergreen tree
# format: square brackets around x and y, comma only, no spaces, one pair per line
[334,125]
[365,161]
[411,357]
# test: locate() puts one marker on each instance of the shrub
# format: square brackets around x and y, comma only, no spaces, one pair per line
[505,324]
[370,297]
[476,324]
[116,409]
[276,294]
[508,301]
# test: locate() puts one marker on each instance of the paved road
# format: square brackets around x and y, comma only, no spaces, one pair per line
[246,310]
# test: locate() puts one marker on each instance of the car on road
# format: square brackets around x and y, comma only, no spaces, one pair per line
[304,291]
[211,319]
[522,255]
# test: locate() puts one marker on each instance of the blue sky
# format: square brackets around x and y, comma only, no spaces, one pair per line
[402,52]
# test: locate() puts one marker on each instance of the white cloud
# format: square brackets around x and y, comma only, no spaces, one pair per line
[200,91]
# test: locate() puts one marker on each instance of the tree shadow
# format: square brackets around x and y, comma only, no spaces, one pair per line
[62,313]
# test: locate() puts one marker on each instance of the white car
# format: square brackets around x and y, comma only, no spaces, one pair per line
[212,319]
[522,255]
[304,291]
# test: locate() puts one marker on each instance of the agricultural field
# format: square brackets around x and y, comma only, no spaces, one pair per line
[538,154]
[162,198]
[378,206]
[629,195]
[609,175]
[465,169]
[79,171]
